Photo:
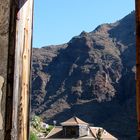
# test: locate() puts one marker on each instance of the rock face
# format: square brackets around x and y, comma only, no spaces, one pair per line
[92,76]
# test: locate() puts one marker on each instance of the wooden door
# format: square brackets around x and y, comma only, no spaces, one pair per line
[22,70]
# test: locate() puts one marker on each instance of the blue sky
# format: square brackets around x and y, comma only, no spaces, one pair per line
[57,21]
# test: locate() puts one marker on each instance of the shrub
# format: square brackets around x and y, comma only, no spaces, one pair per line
[33,136]
[36,120]
[50,128]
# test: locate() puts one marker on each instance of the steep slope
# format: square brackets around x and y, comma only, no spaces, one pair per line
[90,77]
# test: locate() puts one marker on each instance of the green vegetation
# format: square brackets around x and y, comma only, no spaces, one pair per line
[50,128]
[36,122]
[38,129]
[33,136]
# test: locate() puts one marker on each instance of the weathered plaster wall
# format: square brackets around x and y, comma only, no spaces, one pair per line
[4,39]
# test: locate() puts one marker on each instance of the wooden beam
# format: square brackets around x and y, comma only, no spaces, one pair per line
[21,92]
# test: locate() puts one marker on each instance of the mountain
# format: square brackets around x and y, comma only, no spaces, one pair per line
[92,77]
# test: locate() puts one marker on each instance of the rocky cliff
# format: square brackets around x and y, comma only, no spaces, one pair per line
[92,76]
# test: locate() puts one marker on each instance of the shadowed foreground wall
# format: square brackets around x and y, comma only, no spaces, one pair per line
[8,12]
[4,39]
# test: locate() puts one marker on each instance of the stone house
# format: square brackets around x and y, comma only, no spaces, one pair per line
[78,129]
[75,127]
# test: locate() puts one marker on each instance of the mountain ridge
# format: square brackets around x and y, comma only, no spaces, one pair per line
[90,77]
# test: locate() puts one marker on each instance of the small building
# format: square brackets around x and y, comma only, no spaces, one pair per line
[78,129]
[75,128]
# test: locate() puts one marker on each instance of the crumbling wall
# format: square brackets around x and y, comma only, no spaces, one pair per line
[4,39]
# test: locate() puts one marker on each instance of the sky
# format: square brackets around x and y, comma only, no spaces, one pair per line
[57,21]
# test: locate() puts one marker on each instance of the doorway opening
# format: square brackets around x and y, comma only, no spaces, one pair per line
[89,75]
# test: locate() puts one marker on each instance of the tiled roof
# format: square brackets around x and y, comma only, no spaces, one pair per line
[105,134]
[74,121]
[56,133]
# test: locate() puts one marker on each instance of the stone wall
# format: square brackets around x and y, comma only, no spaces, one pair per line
[4,39]
[83,130]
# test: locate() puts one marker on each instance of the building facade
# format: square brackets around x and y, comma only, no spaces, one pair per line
[75,128]
[78,129]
